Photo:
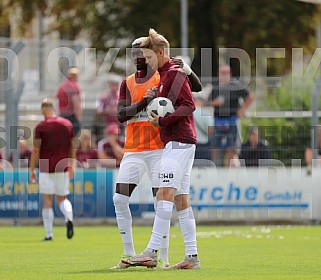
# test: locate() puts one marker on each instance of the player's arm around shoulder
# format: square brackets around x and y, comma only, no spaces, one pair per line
[181,91]
[180,83]
[196,85]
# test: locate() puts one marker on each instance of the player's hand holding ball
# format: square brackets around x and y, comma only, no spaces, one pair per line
[159,107]
[154,119]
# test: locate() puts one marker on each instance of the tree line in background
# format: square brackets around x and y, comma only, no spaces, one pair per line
[244,24]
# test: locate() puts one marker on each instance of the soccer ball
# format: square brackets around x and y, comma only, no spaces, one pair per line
[160,106]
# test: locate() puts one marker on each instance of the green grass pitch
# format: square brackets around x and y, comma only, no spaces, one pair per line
[257,252]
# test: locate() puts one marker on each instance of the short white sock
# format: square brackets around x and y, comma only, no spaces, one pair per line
[124,222]
[187,223]
[47,218]
[162,223]
[66,209]
[163,249]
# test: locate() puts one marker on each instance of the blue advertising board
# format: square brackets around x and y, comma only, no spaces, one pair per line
[91,193]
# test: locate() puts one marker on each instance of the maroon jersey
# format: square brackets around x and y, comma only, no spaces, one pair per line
[179,126]
[66,91]
[55,134]
[108,106]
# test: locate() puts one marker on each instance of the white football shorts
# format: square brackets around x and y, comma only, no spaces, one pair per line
[176,166]
[135,164]
[54,183]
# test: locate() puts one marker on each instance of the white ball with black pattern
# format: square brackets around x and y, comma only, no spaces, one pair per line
[161,106]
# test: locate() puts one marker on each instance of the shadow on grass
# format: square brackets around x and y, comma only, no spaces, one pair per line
[128,270]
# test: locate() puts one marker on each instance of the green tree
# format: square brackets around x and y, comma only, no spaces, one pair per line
[287,136]
[244,24]
[285,24]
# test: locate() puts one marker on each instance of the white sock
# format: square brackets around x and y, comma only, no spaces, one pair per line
[163,249]
[124,222]
[187,223]
[161,225]
[47,218]
[66,209]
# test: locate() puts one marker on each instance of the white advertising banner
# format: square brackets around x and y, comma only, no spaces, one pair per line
[250,194]
[256,194]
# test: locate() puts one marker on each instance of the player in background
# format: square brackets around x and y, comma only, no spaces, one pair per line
[179,136]
[143,146]
[53,150]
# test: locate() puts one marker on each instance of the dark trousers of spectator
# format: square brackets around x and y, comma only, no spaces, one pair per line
[75,123]
[202,155]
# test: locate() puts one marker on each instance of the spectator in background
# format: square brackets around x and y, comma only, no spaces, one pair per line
[85,154]
[204,127]
[226,99]
[254,150]
[108,102]
[110,149]
[69,99]
[24,154]
[309,152]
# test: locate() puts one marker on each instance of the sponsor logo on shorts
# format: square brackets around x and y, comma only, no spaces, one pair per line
[165,175]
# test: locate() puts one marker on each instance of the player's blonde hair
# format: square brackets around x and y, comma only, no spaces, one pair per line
[155,41]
